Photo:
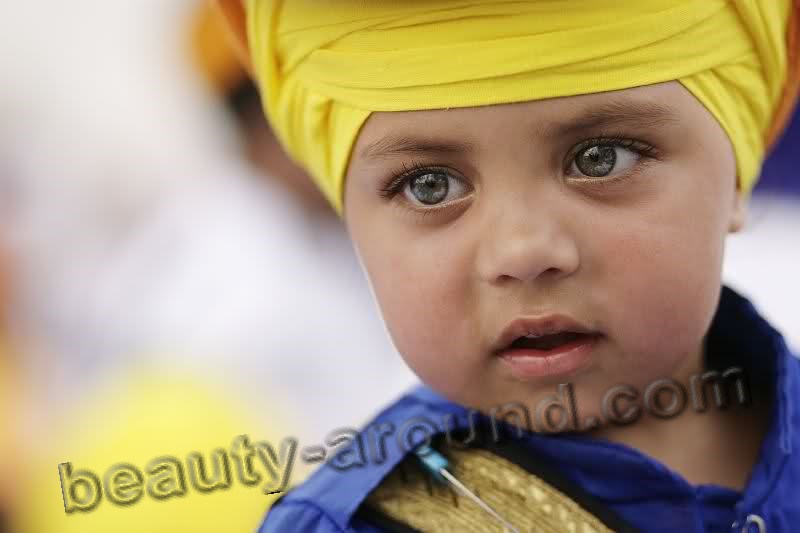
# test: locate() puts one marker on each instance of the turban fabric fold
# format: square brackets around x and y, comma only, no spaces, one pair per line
[324,65]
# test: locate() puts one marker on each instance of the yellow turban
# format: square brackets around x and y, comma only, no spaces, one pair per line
[324,66]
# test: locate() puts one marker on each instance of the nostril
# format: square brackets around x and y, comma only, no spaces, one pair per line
[547,274]
[504,278]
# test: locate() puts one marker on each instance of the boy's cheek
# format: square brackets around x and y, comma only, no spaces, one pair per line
[434,327]
[429,324]
[423,292]
[662,290]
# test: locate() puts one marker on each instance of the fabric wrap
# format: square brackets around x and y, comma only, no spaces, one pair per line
[323,65]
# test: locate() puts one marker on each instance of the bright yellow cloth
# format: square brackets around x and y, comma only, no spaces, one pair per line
[323,67]
[135,420]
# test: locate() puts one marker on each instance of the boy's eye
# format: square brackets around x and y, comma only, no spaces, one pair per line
[429,188]
[601,160]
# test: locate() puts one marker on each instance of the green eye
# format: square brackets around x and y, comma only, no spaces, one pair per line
[596,161]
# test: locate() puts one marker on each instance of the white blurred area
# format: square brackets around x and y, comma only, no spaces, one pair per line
[763,261]
[142,234]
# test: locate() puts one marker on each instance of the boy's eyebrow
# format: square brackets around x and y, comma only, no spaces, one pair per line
[403,145]
[619,113]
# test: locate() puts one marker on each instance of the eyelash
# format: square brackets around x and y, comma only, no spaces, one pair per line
[640,147]
[398,180]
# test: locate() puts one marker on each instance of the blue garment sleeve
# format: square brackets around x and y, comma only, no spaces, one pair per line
[298,516]
[305,516]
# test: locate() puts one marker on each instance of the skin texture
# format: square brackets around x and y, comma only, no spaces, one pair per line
[635,256]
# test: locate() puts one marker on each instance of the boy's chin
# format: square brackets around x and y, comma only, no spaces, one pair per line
[562,408]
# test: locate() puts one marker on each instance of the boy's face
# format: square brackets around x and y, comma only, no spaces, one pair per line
[602,216]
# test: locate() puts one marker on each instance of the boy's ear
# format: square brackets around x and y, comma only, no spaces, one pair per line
[234,13]
[739,213]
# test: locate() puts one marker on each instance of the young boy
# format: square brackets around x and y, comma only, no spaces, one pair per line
[540,193]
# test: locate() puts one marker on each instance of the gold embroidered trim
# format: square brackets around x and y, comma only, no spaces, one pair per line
[410,496]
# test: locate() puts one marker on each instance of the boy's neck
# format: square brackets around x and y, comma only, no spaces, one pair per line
[717,446]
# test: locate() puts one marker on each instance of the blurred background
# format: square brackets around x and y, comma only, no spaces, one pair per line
[158,245]
[150,231]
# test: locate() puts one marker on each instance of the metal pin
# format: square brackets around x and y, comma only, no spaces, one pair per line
[438,465]
[483,505]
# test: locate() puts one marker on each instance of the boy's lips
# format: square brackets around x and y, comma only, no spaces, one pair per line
[545,346]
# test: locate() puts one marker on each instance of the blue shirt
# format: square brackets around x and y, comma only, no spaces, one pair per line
[642,491]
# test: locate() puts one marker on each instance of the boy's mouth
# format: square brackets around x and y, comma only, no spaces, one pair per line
[546,342]
[545,346]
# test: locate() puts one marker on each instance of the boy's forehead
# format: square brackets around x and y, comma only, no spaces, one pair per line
[393,133]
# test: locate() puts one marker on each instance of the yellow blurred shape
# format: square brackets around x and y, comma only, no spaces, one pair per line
[135,421]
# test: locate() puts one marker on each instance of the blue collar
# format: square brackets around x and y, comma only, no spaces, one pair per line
[739,335]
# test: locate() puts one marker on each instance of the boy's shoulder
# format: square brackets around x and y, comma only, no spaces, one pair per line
[330,498]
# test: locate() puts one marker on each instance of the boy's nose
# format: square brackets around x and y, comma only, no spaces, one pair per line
[528,246]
